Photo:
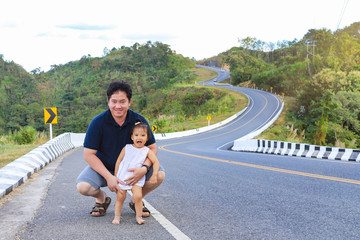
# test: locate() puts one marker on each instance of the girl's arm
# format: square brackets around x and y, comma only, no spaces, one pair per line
[155,162]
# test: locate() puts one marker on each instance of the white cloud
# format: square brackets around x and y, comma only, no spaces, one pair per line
[41,33]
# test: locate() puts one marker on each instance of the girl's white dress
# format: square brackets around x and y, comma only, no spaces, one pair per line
[134,158]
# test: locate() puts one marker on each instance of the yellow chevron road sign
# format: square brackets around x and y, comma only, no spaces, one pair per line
[50,115]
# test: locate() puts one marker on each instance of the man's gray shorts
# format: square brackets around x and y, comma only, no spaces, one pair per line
[89,175]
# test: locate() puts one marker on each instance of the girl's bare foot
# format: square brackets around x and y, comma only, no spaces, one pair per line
[139,220]
[116,220]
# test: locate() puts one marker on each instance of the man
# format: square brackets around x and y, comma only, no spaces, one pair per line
[107,134]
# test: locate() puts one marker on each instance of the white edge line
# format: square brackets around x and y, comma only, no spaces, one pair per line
[171,228]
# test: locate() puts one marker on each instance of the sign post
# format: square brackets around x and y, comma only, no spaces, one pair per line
[208,118]
[50,117]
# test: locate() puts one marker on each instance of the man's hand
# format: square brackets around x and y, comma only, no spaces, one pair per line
[113,182]
[138,174]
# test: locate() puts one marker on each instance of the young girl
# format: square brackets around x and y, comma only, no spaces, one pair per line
[132,156]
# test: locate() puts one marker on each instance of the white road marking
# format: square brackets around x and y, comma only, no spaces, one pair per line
[171,228]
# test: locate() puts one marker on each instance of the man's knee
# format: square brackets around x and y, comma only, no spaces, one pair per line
[84,188]
[160,179]
[149,187]
[161,176]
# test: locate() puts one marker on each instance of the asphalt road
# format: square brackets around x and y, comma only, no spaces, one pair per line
[211,193]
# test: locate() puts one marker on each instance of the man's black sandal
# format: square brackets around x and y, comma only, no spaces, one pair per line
[100,208]
[132,206]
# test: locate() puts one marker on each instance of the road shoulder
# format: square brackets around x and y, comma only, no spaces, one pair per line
[20,206]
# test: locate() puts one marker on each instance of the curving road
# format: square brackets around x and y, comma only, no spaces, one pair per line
[232,195]
[213,193]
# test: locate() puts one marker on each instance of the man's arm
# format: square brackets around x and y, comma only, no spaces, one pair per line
[154,149]
[155,162]
[96,164]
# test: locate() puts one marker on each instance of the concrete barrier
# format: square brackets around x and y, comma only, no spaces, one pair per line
[18,171]
[296,149]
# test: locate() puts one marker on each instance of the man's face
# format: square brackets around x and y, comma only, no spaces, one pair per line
[119,104]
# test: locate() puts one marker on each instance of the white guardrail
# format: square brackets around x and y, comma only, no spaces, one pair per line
[17,172]
[297,149]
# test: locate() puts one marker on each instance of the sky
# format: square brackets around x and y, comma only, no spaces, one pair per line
[41,33]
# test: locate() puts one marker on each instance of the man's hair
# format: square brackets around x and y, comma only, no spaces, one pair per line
[119,86]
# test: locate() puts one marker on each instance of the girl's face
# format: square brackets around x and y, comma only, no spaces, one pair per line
[139,137]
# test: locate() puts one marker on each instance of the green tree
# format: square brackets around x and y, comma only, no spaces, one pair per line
[349,110]
[243,65]
[345,53]
[321,38]
[327,80]
[321,131]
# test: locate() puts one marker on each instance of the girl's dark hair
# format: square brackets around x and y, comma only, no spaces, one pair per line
[119,86]
[140,124]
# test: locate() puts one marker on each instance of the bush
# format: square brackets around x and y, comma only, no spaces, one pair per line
[1,146]
[161,124]
[26,135]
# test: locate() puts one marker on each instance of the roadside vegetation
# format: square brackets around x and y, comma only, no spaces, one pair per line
[219,104]
[321,86]
[281,130]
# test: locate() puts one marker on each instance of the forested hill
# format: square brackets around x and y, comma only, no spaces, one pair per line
[322,74]
[78,88]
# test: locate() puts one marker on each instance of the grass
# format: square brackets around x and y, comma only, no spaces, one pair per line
[203,74]
[13,151]
[280,130]
[201,121]
[10,151]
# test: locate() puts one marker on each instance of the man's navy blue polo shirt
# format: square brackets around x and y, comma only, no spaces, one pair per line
[108,138]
